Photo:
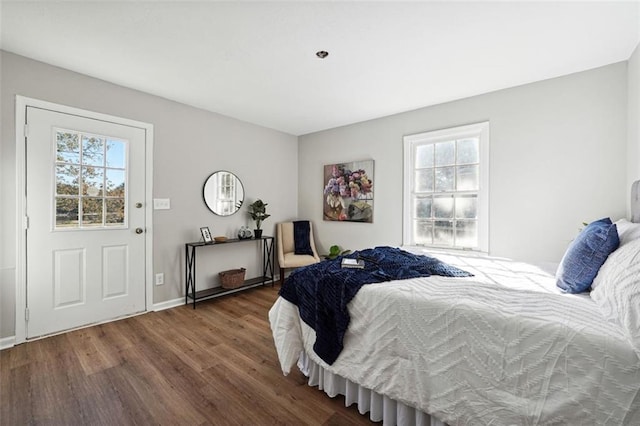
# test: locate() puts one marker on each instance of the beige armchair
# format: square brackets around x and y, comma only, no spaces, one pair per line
[286,249]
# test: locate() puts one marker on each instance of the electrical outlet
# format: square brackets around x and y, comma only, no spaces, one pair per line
[160,278]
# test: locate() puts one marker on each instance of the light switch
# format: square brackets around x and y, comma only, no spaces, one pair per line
[161,203]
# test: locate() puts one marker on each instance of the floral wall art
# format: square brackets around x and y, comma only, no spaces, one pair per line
[348,192]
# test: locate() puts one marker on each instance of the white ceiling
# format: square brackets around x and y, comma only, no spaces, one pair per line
[256,61]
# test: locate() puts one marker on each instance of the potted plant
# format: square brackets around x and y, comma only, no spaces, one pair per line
[335,251]
[258,212]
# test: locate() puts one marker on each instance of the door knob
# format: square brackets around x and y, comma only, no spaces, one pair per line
[138,205]
[139,230]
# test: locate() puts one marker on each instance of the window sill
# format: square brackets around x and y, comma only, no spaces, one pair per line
[442,250]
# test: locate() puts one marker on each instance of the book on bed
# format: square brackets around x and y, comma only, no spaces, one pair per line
[352,263]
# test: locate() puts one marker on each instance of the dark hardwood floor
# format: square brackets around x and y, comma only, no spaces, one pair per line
[215,365]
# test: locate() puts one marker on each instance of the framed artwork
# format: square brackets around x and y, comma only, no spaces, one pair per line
[206,234]
[348,192]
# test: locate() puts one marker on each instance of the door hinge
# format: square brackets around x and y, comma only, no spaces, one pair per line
[26,222]
[26,314]
[26,130]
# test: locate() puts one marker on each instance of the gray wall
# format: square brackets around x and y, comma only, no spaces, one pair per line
[557,159]
[633,117]
[189,145]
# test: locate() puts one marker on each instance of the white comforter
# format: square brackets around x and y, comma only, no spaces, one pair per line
[502,348]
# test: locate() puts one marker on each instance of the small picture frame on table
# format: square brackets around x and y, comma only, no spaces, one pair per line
[206,235]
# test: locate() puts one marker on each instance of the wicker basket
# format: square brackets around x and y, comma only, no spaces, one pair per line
[232,278]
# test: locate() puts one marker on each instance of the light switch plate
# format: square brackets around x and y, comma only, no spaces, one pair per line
[161,203]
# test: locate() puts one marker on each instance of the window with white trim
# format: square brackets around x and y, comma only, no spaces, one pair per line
[446,188]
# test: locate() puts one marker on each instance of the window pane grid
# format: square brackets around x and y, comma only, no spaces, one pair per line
[445,192]
[446,233]
[446,221]
[454,166]
[90,181]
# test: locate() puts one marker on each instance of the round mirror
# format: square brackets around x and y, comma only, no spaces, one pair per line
[223,193]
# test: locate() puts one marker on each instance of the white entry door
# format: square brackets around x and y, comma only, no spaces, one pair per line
[85,239]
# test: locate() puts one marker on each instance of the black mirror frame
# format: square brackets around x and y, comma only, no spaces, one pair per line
[211,207]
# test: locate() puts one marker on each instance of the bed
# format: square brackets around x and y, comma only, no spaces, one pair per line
[503,347]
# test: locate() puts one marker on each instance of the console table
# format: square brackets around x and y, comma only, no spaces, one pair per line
[268,262]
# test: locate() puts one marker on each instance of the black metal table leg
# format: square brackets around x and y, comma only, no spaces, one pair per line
[267,264]
[190,276]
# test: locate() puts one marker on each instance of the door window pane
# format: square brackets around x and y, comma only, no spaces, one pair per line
[67,147]
[67,179]
[90,180]
[92,151]
[68,157]
[92,211]
[115,183]
[67,212]
[116,154]
[115,211]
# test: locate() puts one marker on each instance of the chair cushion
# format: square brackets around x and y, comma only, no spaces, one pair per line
[292,260]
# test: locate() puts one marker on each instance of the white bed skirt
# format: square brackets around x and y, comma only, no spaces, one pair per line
[379,407]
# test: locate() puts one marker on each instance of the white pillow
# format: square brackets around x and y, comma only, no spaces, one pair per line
[627,231]
[617,290]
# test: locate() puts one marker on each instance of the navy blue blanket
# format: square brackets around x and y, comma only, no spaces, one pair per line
[322,290]
[302,237]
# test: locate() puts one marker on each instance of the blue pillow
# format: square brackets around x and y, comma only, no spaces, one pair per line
[585,255]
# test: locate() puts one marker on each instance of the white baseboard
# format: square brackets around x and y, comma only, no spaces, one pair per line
[168,304]
[180,301]
[7,342]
